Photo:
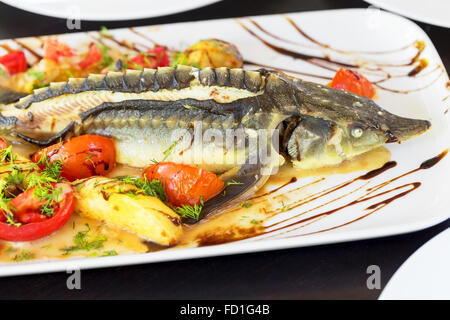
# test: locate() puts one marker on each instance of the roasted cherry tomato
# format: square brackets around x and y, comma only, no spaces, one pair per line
[81,157]
[3,144]
[185,184]
[14,62]
[353,81]
[153,58]
[53,49]
[33,224]
[93,56]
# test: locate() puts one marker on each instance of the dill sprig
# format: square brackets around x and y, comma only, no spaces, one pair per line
[85,241]
[189,211]
[154,188]
[7,155]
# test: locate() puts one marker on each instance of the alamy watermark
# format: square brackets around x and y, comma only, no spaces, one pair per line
[374,279]
[73,281]
[229,147]
[73,21]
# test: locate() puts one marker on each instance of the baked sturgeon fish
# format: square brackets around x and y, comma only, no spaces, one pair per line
[312,124]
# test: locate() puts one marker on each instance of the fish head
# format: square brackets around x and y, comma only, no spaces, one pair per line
[332,125]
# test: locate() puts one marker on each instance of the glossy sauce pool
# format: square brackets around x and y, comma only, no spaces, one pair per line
[247,220]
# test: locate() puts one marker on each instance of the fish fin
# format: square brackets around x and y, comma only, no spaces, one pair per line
[239,188]
[9,96]
[52,140]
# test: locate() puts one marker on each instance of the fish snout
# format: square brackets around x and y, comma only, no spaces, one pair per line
[401,129]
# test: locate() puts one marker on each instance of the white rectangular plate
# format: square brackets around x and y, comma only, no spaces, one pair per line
[384,44]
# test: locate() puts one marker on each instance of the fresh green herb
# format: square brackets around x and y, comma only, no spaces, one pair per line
[232,183]
[3,73]
[284,207]
[85,241]
[246,204]
[15,177]
[104,31]
[153,188]
[253,221]
[106,59]
[179,58]
[109,253]
[89,158]
[190,107]
[50,195]
[69,74]
[35,74]
[52,170]
[168,152]
[7,155]
[4,205]
[48,246]
[23,255]
[188,211]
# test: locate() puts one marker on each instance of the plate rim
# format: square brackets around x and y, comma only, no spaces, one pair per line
[187,6]
[388,6]
[388,293]
[83,263]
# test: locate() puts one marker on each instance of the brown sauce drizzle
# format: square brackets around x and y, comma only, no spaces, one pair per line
[283,228]
[368,196]
[26,47]
[315,60]
[144,36]
[327,63]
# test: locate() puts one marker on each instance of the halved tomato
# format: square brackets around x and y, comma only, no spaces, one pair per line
[81,157]
[53,49]
[93,56]
[184,184]
[354,82]
[14,62]
[3,144]
[153,58]
[32,223]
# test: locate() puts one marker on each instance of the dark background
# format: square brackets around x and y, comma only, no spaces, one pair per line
[323,272]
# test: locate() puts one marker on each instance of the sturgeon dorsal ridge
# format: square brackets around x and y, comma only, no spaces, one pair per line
[237,78]
[253,81]
[132,80]
[148,80]
[207,77]
[75,85]
[165,77]
[223,76]
[96,82]
[114,81]
[183,76]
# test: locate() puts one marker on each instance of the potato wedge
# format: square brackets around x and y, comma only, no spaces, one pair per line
[212,53]
[110,200]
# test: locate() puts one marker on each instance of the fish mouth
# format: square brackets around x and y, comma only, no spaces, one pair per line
[402,129]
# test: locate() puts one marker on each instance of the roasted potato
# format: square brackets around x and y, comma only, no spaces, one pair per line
[210,53]
[114,202]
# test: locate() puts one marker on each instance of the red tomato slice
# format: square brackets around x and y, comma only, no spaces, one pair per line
[38,225]
[14,62]
[82,156]
[3,144]
[93,56]
[153,58]
[353,81]
[53,49]
[185,184]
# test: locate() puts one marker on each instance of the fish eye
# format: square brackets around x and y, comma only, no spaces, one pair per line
[357,132]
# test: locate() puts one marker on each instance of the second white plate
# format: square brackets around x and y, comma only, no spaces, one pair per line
[107,9]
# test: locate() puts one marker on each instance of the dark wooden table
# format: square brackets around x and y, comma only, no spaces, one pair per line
[323,272]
